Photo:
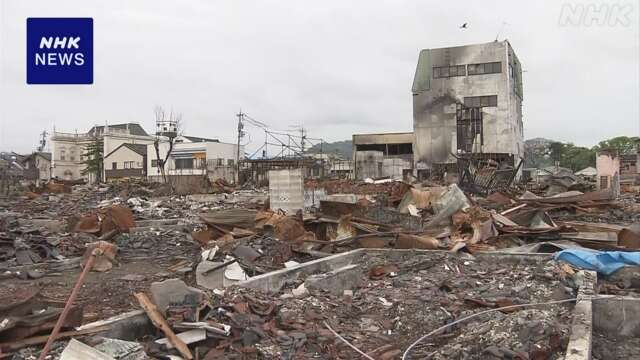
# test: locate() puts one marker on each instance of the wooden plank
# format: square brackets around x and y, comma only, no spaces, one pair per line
[158,321]
[509,211]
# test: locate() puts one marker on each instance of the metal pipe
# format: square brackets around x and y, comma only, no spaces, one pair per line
[67,306]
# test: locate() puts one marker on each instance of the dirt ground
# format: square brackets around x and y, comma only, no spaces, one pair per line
[109,293]
[606,347]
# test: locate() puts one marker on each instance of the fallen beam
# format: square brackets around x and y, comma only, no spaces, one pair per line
[158,320]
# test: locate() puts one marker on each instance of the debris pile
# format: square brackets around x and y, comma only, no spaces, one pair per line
[220,274]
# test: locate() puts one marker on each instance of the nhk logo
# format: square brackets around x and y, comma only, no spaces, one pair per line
[59,50]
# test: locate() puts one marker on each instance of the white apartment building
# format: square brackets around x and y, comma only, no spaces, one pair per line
[195,156]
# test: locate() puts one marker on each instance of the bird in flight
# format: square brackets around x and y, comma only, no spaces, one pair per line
[463,26]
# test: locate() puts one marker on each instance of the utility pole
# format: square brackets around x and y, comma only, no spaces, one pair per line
[240,116]
[303,137]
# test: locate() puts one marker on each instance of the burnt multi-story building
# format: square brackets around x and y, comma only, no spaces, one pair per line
[467,100]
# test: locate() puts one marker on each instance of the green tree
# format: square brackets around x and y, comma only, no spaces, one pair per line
[624,144]
[94,158]
[577,157]
[556,150]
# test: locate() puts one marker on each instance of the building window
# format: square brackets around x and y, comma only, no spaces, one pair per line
[63,155]
[220,162]
[399,149]
[371,147]
[230,162]
[129,164]
[72,155]
[449,71]
[184,163]
[604,182]
[469,128]
[154,163]
[481,101]
[114,166]
[486,68]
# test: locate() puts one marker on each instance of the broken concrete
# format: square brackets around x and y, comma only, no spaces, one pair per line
[335,281]
[207,278]
[174,292]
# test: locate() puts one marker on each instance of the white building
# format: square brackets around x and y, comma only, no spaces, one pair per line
[126,161]
[195,156]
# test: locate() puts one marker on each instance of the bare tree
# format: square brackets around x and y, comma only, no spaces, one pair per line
[168,128]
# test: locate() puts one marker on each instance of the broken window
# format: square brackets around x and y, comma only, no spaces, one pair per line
[400,149]
[481,101]
[469,128]
[371,147]
[449,71]
[387,149]
[485,68]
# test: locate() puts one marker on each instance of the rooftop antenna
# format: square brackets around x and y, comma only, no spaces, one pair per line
[504,23]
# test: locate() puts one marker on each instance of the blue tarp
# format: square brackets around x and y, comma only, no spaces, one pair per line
[604,262]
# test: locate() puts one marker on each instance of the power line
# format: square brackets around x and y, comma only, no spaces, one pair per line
[290,144]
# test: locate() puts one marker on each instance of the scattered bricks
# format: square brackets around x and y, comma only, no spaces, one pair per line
[337,281]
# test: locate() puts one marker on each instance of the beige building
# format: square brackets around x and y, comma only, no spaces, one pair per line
[68,150]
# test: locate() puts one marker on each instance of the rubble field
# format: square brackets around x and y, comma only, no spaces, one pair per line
[383,305]
[377,264]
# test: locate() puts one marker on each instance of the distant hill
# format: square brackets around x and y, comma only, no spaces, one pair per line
[340,148]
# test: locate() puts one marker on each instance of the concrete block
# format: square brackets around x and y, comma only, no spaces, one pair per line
[286,190]
[336,281]
[174,292]
[579,347]
[211,280]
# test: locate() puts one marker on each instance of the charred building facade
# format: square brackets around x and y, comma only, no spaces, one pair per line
[467,100]
[383,155]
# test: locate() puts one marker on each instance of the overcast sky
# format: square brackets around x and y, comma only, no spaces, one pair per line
[335,67]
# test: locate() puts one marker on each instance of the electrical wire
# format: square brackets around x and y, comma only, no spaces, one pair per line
[347,342]
[406,352]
